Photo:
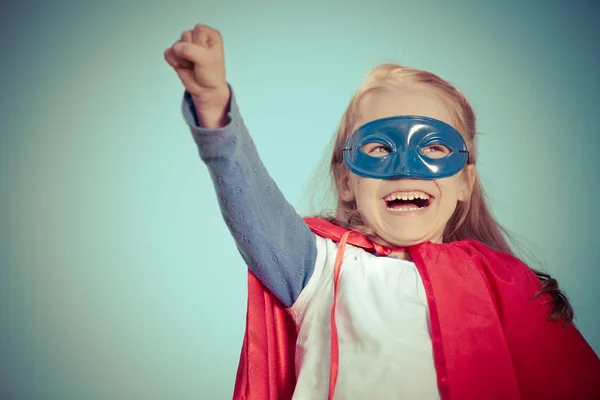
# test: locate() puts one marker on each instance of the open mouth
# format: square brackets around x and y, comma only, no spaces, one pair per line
[407,201]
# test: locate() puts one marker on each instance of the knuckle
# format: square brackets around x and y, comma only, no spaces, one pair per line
[185,50]
[214,31]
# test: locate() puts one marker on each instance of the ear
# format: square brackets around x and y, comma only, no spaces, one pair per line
[467,181]
[345,188]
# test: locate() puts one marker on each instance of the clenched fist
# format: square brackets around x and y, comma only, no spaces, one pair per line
[199,61]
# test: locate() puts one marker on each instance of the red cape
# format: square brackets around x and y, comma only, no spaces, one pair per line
[491,339]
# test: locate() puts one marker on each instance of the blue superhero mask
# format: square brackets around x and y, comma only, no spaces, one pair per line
[405,147]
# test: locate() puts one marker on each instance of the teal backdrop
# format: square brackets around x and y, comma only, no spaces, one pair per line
[118,277]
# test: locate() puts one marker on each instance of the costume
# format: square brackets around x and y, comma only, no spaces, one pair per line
[490,338]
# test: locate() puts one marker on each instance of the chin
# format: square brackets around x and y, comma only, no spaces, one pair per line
[404,241]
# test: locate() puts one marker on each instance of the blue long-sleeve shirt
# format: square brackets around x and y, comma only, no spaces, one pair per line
[271,237]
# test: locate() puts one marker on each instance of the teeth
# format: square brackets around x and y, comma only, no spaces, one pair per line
[406,196]
[405,209]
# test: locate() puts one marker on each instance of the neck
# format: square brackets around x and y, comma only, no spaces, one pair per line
[401,255]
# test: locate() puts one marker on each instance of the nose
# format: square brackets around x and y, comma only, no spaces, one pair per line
[403,162]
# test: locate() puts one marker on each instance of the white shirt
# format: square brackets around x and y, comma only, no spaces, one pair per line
[385,349]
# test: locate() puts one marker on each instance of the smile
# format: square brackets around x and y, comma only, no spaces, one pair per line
[407,201]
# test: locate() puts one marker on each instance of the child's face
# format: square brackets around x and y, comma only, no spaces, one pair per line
[397,225]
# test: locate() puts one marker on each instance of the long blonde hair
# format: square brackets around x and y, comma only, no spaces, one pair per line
[472,219]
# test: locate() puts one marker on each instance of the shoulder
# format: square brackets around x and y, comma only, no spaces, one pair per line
[325,228]
[496,264]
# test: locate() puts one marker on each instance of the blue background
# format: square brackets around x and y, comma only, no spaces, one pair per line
[119,279]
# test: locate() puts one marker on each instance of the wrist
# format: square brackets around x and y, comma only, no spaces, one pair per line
[212,108]
[211,99]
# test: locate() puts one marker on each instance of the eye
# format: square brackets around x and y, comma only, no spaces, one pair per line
[436,151]
[376,149]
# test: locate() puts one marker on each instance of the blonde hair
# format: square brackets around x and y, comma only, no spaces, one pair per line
[471,219]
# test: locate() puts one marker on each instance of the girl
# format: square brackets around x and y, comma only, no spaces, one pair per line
[410,290]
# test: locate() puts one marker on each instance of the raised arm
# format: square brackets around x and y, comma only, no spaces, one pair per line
[272,238]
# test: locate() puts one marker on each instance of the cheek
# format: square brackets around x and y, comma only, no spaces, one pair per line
[449,193]
[365,191]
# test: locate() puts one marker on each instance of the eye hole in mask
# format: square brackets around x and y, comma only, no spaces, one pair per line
[375,149]
[436,151]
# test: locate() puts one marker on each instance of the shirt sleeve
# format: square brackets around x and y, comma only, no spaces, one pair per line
[275,242]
